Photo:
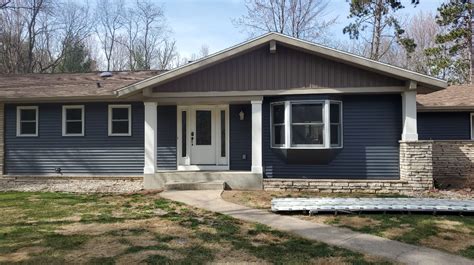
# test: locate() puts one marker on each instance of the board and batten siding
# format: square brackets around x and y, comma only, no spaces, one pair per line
[444,125]
[240,137]
[288,68]
[372,127]
[95,153]
[166,138]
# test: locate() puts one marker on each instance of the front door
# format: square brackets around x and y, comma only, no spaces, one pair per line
[203,138]
[203,135]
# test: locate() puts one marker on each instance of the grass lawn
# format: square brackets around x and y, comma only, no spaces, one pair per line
[451,233]
[59,228]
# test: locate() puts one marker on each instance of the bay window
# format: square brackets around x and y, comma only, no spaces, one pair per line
[315,124]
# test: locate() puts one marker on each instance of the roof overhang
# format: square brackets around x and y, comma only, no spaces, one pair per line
[333,54]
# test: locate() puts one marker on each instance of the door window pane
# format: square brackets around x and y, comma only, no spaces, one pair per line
[223,138]
[203,127]
[307,134]
[306,113]
[183,134]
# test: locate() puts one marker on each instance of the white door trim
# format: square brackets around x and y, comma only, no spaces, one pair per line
[184,163]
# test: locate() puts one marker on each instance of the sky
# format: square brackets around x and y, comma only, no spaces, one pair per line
[209,22]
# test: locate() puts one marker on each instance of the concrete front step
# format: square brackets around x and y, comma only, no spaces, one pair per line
[213,185]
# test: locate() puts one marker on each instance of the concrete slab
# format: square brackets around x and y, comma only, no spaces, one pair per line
[372,245]
[212,185]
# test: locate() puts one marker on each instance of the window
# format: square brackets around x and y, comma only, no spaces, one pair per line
[27,121]
[335,120]
[120,120]
[73,120]
[306,124]
[278,124]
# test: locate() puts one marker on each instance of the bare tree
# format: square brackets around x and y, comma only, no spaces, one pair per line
[303,19]
[166,55]
[109,14]
[204,51]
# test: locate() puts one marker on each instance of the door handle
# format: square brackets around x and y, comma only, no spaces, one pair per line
[192,138]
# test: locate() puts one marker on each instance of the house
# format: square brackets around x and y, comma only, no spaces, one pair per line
[274,112]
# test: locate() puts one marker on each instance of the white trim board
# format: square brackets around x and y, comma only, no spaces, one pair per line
[310,47]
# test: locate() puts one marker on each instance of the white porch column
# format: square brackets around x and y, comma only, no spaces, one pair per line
[151,120]
[257,136]
[410,132]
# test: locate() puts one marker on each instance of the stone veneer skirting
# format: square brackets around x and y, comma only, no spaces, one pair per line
[2,143]
[453,163]
[416,174]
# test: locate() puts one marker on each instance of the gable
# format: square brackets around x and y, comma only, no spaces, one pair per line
[286,69]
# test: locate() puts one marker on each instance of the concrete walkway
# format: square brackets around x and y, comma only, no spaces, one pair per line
[372,245]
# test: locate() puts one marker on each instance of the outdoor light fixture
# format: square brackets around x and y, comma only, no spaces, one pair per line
[242,115]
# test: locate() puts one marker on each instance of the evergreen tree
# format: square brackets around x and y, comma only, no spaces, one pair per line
[76,59]
[451,59]
[378,18]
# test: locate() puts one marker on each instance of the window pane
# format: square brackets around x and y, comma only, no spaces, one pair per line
[28,114]
[73,127]
[120,127]
[203,127]
[304,113]
[28,128]
[307,134]
[73,114]
[183,134]
[279,134]
[278,114]
[335,113]
[335,135]
[120,114]
[223,133]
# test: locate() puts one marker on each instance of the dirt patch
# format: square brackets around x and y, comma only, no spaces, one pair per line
[98,247]
[141,240]
[320,219]
[452,226]
[140,257]
[452,242]
[357,222]
[21,254]
[98,229]
[330,261]
[395,232]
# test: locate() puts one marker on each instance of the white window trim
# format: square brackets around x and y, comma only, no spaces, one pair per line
[340,124]
[18,122]
[65,108]
[129,107]
[288,123]
[272,125]
[472,126]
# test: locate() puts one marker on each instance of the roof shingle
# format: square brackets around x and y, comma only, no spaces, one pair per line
[453,97]
[78,85]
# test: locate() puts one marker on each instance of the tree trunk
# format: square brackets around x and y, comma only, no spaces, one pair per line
[376,34]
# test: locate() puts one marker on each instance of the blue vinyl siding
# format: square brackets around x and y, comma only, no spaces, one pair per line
[240,137]
[444,126]
[166,132]
[94,153]
[372,128]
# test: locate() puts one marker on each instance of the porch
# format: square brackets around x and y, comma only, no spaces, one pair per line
[203,140]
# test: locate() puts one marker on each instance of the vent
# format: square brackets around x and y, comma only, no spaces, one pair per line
[105,74]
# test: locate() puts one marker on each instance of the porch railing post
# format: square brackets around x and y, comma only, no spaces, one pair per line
[151,120]
[257,136]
